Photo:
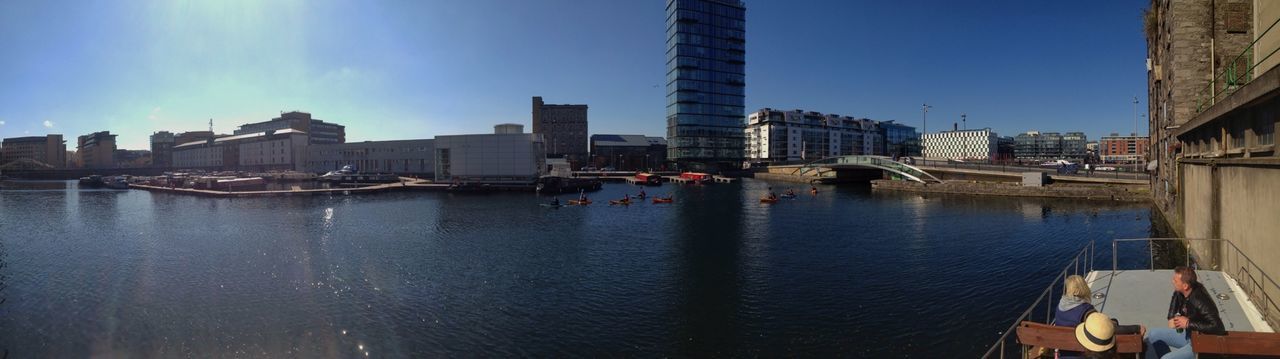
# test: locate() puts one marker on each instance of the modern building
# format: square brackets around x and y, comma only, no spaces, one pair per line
[97,150]
[1035,146]
[900,140]
[564,127]
[48,151]
[706,55]
[776,136]
[403,157]
[628,152]
[962,144]
[506,156]
[162,149]
[1124,149]
[273,150]
[1004,148]
[319,132]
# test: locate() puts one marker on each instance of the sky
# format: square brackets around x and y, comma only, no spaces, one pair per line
[416,69]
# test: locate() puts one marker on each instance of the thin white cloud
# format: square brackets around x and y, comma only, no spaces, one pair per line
[1,122]
[155,114]
[48,124]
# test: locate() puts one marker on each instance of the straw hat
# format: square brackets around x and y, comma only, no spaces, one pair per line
[1097,333]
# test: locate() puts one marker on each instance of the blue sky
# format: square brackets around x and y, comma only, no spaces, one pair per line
[416,69]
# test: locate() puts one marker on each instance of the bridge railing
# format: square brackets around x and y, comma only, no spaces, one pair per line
[880,162]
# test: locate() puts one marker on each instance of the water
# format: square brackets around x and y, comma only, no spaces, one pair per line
[850,272]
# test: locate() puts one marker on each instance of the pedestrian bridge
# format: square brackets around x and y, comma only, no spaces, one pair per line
[819,167]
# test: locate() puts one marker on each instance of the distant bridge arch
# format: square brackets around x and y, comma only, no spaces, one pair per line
[869,162]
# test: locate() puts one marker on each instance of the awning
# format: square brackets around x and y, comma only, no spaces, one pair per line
[1151,166]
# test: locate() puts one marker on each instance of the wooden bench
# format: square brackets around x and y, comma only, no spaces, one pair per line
[1237,343]
[1064,338]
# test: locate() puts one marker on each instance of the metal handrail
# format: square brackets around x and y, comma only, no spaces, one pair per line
[1231,71]
[1086,254]
[1253,288]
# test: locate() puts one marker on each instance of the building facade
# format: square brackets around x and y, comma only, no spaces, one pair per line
[193,136]
[1035,146]
[276,150]
[97,150]
[900,140]
[962,144]
[48,150]
[628,152]
[564,128]
[162,149]
[501,157]
[777,136]
[319,132]
[403,157]
[1123,149]
[706,57]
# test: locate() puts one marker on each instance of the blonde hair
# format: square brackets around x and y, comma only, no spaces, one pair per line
[1075,286]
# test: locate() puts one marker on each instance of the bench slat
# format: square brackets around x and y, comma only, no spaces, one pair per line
[1064,338]
[1237,343]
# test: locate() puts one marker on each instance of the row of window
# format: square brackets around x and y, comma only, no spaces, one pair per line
[706,75]
[706,53]
[706,41]
[705,109]
[708,7]
[706,98]
[706,64]
[705,86]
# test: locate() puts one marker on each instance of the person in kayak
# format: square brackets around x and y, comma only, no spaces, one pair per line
[582,196]
[791,192]
[772,196]
[555,201]
[642,195]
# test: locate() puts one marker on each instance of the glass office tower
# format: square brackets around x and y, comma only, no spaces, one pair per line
[706,52]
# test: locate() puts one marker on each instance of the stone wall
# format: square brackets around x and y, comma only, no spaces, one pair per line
[1106,193]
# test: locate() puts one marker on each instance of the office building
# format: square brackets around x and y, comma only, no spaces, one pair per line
[403,157]
[564,128]
[1124,149]
[777,136]
[962,144]
[1034,145]
[162,149]
[97,150]
[706,55]
[900,140]
[318,132]
[628,152]
[48,151]
[507,156]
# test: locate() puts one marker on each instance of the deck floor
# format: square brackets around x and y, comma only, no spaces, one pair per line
[1142,297]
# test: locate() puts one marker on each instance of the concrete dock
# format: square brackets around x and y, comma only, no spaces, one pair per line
[407,184]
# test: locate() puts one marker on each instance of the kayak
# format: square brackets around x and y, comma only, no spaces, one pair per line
[788,196]
[574,202]
[768,200]
[664,200]
[620,202]
[550,205]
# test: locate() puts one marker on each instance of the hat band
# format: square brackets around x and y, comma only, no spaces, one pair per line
[1095,340]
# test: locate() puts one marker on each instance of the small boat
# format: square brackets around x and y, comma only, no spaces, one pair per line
[768,200]
[788,195]
[664,200]
[551,205]
[620,202]
[641,196]
[91,181]
[574,202]
[116,183]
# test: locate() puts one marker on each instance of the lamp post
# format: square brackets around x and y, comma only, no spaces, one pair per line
[924,118]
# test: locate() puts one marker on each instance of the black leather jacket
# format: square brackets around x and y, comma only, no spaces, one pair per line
[1201,312]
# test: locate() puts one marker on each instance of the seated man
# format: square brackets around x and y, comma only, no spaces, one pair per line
[1191,308]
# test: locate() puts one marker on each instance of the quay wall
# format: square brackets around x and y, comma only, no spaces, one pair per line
[1105,193]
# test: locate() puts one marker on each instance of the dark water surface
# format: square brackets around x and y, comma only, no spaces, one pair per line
[850,272]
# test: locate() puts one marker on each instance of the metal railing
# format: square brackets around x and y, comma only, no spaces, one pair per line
[1081,263]
[880,162]
[1257,284]
[1121,172]
[1234,77]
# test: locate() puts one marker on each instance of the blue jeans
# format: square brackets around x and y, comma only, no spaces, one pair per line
[1166,343]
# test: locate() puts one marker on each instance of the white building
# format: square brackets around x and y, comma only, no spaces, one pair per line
[406,157]
[775,136]
[961,144]
[507,156]
[259,151]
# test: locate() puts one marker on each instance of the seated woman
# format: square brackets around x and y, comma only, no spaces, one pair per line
[1072,308]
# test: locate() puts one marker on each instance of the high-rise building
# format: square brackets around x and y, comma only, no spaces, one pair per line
[319,132]
[564,127]
[97,150]
[162,149]
[45,151]
[706,57]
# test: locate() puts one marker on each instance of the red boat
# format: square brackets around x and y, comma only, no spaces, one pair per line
[649,179]
[698,177]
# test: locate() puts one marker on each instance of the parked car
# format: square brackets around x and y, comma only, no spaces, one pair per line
[609,168]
